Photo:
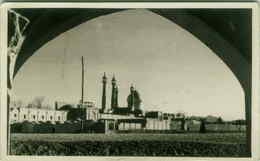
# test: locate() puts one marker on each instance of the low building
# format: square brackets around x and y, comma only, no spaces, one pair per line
[91,113]
[130,124]
[157,124]
[21,114]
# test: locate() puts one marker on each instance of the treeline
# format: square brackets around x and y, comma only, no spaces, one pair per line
[37,102]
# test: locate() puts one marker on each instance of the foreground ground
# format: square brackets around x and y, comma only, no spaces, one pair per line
[196,144]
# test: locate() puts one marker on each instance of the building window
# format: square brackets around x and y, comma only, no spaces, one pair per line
[15,115]
[34,117]
[43,117]
[59,118]
[24,116]
[51,118]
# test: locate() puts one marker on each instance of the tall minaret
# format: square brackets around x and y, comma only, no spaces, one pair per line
[116,96]
[104,82]
[113,102]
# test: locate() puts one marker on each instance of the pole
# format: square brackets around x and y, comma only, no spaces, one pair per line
[82,80]
[82,91]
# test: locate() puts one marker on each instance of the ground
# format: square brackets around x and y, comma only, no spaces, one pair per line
[189,144]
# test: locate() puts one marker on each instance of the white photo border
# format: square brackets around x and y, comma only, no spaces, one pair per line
[255,143]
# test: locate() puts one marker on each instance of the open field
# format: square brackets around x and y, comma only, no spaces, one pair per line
[210,144]
[187,137]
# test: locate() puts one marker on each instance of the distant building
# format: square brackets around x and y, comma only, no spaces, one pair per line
[133,100]
[85,111]
[179,116]
[90,111]
[132,116]
[21,114]
[157,124]
[154,114]
[211,119]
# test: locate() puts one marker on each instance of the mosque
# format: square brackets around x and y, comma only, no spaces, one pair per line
[131,117]
[133,100]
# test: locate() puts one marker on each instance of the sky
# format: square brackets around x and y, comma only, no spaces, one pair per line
[171,69]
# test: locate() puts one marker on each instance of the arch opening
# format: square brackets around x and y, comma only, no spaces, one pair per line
[144,35]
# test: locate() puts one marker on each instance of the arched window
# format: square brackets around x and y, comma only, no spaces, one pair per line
[42,117]
[51,118]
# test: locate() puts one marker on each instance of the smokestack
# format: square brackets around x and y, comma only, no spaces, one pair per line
[82,79]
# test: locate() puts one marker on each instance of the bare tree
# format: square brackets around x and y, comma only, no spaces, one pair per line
[16,103]
[48,106]
[19,103]
[38,101]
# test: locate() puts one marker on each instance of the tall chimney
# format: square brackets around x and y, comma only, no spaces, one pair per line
[82,80]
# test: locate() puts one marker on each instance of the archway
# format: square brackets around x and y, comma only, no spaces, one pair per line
[238,64]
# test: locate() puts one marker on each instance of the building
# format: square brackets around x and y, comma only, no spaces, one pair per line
[133,100]
[90,111]
[21,114]
[130,117]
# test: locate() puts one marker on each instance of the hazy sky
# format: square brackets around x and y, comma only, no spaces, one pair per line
[172,70]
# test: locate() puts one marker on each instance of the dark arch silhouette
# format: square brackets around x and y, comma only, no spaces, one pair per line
[226,32]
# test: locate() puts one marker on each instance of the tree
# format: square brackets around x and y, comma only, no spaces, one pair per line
[16,103]
[38,101]
[220,120]
[19,103]
[202,126]
[47,106]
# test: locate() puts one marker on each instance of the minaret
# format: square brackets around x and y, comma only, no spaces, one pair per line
[132,97]
[113,93]
[116,96]
[104,82]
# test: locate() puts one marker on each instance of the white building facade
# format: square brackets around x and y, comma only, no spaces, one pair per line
[21,114]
